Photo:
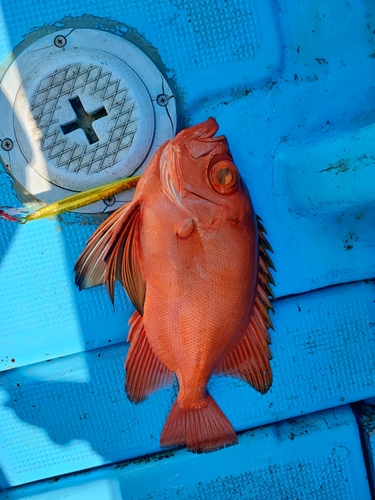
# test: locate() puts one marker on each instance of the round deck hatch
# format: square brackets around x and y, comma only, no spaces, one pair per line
[82,108]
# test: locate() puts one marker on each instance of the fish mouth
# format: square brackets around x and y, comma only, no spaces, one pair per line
[205,131]
[209,129]
[200,140]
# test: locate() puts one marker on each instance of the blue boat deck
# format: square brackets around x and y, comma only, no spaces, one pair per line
[291,87]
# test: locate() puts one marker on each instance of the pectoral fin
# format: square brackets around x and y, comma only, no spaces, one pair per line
[112,253]
[185,228]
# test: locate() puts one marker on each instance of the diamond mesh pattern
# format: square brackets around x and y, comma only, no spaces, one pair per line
[224,31]
[80,78]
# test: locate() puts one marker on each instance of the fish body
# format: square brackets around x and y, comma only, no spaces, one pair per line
[189,251]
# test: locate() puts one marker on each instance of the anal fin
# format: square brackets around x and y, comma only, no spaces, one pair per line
[249,359]
[145,373]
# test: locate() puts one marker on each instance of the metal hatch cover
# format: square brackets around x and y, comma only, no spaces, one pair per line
[82,108]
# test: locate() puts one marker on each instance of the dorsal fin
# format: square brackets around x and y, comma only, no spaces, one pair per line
[145,374]
[249,358]
[112,253]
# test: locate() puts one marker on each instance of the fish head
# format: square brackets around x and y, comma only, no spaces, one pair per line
[198,175]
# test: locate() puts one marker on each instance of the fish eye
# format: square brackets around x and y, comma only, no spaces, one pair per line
[223,176]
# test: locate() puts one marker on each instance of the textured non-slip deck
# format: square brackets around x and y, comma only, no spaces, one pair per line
[293,93]
[72,413]
[291,86]
[314,457]
[365,412]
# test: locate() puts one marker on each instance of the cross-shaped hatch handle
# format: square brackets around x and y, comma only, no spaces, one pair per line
[84,120]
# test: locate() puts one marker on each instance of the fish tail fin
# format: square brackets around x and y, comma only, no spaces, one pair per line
[202,429]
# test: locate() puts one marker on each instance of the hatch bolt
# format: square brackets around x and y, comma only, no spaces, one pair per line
[7,144]
[60,41]
[162,100]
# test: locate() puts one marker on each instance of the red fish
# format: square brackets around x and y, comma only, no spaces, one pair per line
[192,256]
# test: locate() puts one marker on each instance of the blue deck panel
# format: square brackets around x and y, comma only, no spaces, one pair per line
[291,86]
[72,413]
[43,316]
[274,125]
[318,456]
[365,412]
